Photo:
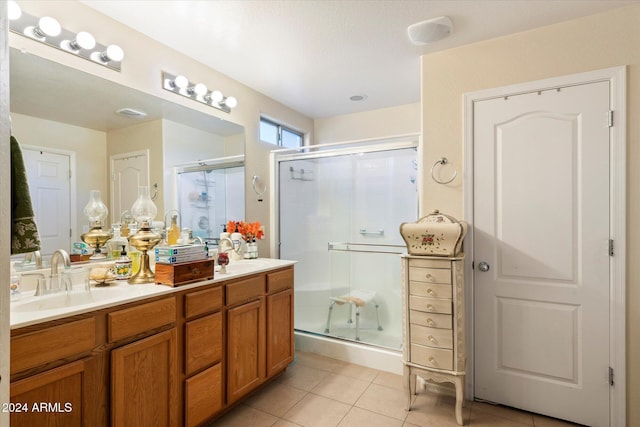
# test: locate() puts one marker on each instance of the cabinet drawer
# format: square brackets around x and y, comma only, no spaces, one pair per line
[144,317]
[279,280]
[430,305]
[433,357]
[203,342]
[432,337]
[48,345]
[432,290]
[203,395]
[430,263]
[429,275]
[201,302]
[433,320]
[245,290]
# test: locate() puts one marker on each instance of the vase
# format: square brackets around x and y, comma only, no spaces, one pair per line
[252,251]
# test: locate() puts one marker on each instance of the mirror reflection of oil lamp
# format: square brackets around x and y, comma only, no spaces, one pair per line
[144,210]
[96,237]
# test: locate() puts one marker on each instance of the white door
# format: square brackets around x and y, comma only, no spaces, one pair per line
[541,226]
[49,185]
[128,172]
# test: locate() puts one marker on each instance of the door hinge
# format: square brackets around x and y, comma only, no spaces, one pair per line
[611,383]
[71,232]
[69,173]
[610,118]
[611,251]
[473,265]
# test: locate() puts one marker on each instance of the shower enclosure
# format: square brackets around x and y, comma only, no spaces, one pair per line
[339,216]
[209,193]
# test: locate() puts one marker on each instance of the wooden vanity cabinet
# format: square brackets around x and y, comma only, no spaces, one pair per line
[246,329]
[176,360]
[280,346]
[144,370]
[203,350]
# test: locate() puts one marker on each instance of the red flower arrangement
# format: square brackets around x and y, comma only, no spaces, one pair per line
[250,231]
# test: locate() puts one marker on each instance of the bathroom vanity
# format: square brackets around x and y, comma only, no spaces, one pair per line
[152,354]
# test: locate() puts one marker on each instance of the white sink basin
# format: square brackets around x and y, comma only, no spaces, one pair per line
[117,291]
[244,265]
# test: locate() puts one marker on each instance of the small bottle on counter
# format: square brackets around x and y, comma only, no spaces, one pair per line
[14,284]
[116,242]
[173,231]
[123,265]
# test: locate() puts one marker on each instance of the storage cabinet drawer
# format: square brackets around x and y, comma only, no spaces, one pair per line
[245,290]
[202,302]
[433,320]
[433,357]
[280,280]
[430,263]
[429,275]
[430,305]
[48,345]
[432,290]
[432,337]
[203,342]
[203,395]
[142,318]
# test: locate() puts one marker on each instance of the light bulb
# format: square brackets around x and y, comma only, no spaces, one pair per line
[47,26]
[14,10]
[83,40]
[230,102]
[114,53]
[180,82]
[199,89]
[216,97]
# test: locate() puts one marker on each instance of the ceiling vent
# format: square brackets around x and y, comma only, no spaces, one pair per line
[131,113]
[430,31]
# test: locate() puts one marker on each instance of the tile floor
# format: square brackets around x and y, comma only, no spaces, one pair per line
[318,391]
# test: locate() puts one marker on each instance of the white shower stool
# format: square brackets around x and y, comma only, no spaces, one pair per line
[358,298]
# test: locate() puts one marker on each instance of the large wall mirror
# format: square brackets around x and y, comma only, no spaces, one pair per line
[74,141]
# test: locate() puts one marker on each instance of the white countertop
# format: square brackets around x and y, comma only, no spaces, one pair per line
[31,310]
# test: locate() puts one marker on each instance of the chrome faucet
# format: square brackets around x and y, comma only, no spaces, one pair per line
[30,256]
[58,255]
[232,246]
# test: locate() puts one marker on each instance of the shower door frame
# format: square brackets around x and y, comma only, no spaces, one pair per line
[412,140]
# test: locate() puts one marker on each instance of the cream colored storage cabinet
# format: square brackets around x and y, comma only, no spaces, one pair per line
[433,323]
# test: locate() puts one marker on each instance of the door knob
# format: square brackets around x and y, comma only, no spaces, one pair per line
[483,266]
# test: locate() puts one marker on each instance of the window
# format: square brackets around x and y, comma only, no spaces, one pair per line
[276,134]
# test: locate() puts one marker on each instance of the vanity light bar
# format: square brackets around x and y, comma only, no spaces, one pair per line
[198,92]
[47,30]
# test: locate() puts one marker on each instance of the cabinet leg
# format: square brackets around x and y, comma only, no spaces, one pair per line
[408,390]
[459,383]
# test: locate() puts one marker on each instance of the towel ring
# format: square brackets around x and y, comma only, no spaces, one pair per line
[442,161]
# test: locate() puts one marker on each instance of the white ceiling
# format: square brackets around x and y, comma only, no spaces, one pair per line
[312,55]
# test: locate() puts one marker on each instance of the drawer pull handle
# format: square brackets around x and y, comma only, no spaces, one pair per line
[429,307]
[432,339]
[430,322]
[432,360]
[430,291]
[429,276]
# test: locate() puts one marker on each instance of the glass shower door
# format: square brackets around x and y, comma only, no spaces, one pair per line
[339,217]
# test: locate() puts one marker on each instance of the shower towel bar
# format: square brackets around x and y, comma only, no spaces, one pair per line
[379,232]
[346,247]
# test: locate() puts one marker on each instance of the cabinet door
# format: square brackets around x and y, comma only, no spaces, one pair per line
[279,331]
[203,395]
[143,382]
[53,398]
[245,348]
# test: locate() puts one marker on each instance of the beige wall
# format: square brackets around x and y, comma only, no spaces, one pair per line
[373,124]
[90,147]
[144,61]
[596,42]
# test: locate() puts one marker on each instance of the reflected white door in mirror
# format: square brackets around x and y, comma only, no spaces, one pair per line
[128,172]
[48,173]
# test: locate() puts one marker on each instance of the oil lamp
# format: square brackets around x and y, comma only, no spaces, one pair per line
[144,210]
[96,236]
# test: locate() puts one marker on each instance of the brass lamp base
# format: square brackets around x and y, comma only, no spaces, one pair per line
[144,275]
[144,240]
[96,238]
